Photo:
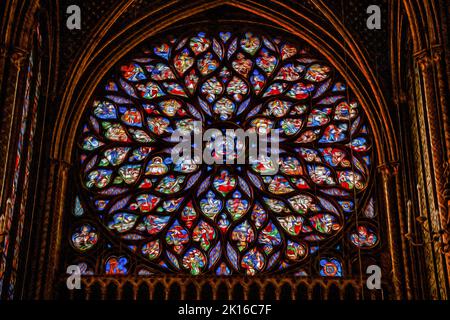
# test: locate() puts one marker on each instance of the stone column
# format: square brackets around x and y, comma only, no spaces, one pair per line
[434,117]
[387,171]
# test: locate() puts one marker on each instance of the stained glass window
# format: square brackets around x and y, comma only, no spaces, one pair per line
[21,172]
[140,213]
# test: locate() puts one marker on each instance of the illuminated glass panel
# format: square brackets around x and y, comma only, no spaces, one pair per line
[138,211]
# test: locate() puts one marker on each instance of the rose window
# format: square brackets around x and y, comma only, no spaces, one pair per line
[228,218]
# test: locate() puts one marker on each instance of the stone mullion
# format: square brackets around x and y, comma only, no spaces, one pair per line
[28,150]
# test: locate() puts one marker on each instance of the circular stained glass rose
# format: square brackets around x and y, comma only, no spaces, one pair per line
[224,218]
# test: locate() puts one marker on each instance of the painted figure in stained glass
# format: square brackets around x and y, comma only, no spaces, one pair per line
[259,217]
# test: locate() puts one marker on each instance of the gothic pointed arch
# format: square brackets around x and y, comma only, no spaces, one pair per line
[123,92]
